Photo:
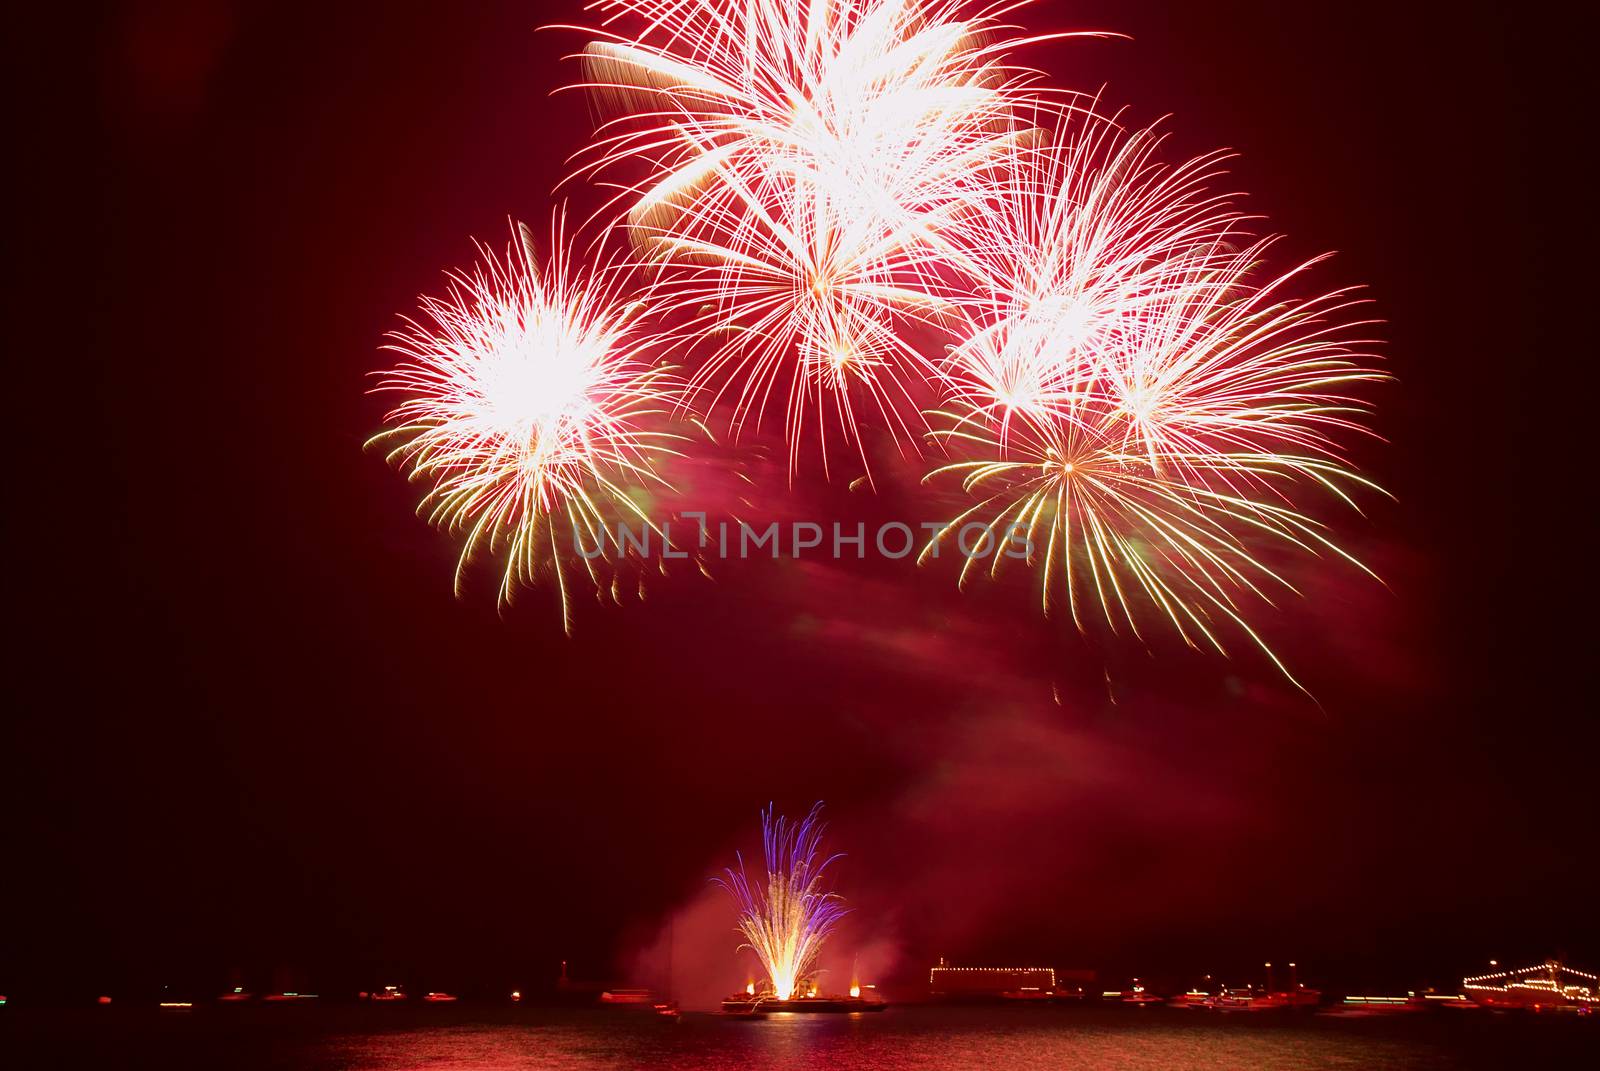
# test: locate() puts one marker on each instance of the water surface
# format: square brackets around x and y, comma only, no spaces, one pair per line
[462,1037]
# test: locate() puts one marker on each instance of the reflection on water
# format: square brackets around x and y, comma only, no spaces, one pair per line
[989,1039]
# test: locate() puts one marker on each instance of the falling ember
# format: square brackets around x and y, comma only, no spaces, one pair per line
[529,412]
[786,919]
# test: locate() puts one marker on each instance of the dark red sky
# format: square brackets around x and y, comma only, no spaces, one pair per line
[251,725]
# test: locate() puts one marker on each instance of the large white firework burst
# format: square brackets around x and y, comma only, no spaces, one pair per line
[532,410]
[800,162]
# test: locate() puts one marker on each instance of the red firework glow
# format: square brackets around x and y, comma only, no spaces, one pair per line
[819,190]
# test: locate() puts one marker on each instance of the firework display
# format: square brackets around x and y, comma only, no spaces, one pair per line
[786,916]
[1136,405]
[870,215]
[800,163]
[529,409]
[1083,237]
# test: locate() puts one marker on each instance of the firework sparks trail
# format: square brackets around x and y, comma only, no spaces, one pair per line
[786,919]
[1137,400]
[802,161]
[1148,420]
[824,185]
[1085,236]
[529,411]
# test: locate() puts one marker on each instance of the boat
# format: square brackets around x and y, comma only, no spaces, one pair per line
[1135,995]
[1548,986]
[627,996]
[1362,1007]
[439,998]
[742,1003]
[805,999]
[1266,998]
[1260,1000]
[1028,996]
[987,984]
[388,993]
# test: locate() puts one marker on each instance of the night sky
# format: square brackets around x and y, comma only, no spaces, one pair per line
[251,728]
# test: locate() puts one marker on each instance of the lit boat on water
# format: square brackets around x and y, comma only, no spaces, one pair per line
[745,1006]
[1028,996]
[755,1001]
[1371,1006]
[1136,995]
[1018,985]
[1550,986]
[641,1000]
[627,996]
[1252,999]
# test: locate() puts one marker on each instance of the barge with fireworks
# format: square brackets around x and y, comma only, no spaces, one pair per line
[745,1006]
[757,1002]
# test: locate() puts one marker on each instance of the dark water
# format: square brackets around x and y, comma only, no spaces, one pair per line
[489,1039]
